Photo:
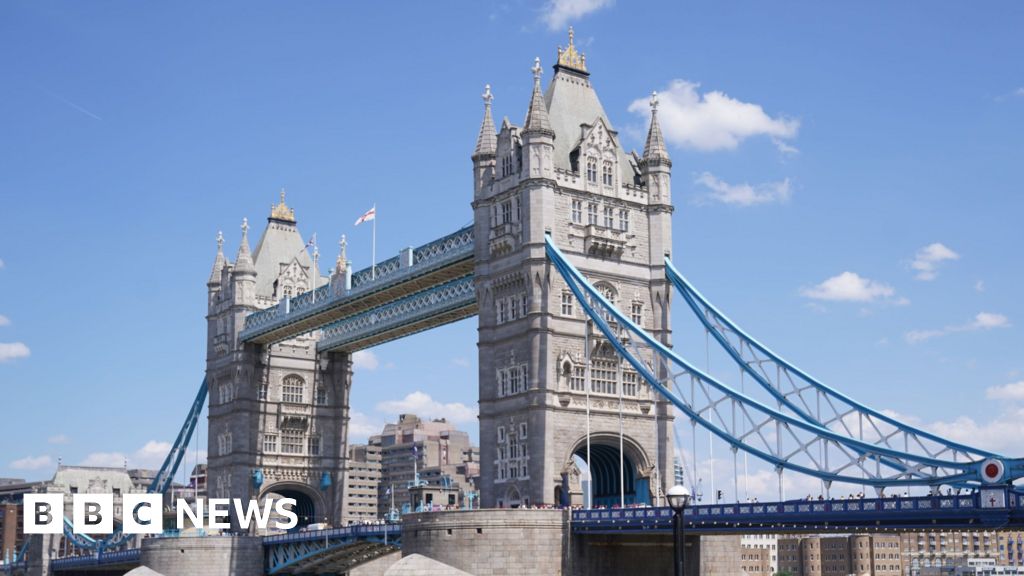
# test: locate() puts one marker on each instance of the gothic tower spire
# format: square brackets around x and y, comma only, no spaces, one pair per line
[487,141]
[218,263]
[537,116]
[654,150]
[243,262]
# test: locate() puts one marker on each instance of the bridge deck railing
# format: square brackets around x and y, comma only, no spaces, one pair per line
[129,556]
[357,531]
[409,264]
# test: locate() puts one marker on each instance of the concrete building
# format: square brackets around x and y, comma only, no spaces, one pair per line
[927,550]
[761,550]
[564,172]
[277,413]
[362,484]
[862,554]
[428,449]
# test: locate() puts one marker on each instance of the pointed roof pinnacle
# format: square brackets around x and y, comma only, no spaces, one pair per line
[655,150]
[570,58]
[281,211]
[218,262]
[537,116]
[342,263]
[243,262]
[487,141]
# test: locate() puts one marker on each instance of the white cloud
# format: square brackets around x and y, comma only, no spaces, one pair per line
[1012,391]
[32,463]
[744,194]
[928,258]
[2,263]
[13,351]
[850,287]
[713,120]
[361,427]
[59,439]
[979,286]
[558,13]
[1017,92]
[981,321]
[421,404]
[365,360]
[150,456]
[4,320]
[461,362]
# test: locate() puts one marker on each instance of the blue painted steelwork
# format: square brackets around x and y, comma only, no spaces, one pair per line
[129,556]
[432,256]
[18,562]
[871,514]
[162,481]
[286,550]
[807,396]
[785,441]
[401,316]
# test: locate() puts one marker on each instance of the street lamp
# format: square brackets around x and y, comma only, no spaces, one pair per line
[678,497]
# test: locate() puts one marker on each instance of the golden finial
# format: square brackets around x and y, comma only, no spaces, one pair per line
[282,211]
[569,57]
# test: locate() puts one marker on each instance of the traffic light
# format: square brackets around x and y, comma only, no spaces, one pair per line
[718,496]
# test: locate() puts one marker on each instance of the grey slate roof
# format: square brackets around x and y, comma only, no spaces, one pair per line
[487,141]
[280,244]
[655,146]
[572,101]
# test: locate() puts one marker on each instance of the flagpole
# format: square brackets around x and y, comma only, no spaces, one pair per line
[373,249]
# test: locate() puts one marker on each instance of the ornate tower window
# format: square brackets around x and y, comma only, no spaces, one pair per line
[624,220]
[577,211]
[506,212]
[592,213]
[293,389]
[636,313]
[567,297]
[606,173]
[579,378]
[609,217]
[291,441]
[264,389]
[270,443]
[314,445]
[591,170]
[321,396]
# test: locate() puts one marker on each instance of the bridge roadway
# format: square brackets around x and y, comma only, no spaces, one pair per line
[419,289]
[336,550]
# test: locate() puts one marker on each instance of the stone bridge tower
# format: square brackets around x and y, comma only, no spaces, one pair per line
[278,417]
[565,173]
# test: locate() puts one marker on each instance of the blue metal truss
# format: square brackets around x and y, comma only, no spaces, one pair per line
[430,257]
[949,512]
[402,317]
[816,402]
[783,440]
[287,551]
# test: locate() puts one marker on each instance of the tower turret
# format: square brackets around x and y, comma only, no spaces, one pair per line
[655,163]
[485,154]
[243,276]
[213,284]
[538,136]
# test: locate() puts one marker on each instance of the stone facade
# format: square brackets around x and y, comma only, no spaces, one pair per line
[278,413]
[209,556]
[564,173]
[923,550]
[868,554]
[362,484]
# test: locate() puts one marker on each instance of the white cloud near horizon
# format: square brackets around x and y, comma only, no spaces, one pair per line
[4,320]
[981,321]
[421,404]
[59,439]
[713,120]
[150,456]
[849,287]
[1011,391]
[32,463]
[365,360]
[744,194]
[927,260]
[13,350]
[361,427]
[556,14]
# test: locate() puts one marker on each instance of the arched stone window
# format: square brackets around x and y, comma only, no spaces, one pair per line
[293,389]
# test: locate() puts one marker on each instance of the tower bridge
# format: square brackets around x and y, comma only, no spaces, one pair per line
[567,268]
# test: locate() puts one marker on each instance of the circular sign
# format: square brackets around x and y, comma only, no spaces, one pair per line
[992,471]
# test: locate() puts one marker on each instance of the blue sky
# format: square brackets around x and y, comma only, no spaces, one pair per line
[847,180]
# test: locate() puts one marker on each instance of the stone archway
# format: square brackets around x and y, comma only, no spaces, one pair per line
[608,482]
[309,503]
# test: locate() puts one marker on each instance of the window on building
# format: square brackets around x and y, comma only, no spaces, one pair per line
[629,383]
[567,297]
[577,211]
[501,315]
[270,443]
[603,376]
[606,173]
[506,212]
[264,389]
[321,396]
[513,308]
[592,213]
[291,441]
[591,170]
[609,217]
[501,434]
[293,389]
[314,445]
[522,430]
[516,379]
[502,383]
[624,220]
[636,313]
[506,165]
[578,379]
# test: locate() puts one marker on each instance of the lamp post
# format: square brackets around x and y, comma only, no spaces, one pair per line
[678,498]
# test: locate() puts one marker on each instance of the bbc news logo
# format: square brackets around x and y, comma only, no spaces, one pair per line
[143,513]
